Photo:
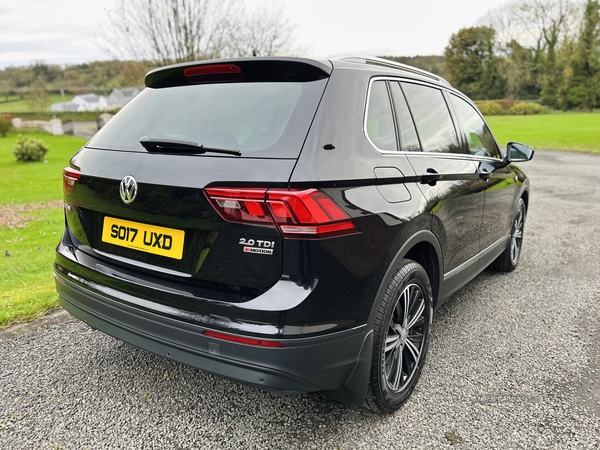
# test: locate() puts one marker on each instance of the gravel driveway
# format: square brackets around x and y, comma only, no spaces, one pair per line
[514,362]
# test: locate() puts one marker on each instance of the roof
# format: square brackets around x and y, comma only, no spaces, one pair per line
[87,98]
[64,106]
[123,96]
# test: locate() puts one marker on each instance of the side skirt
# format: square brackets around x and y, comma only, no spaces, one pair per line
[457,278]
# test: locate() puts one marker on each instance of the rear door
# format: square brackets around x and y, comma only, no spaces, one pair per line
[447,176]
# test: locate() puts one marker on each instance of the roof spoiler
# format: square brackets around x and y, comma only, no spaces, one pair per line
[250,69]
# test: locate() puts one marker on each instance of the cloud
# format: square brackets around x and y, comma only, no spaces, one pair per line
[52,51]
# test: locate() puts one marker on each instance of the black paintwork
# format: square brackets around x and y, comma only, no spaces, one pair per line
[449,212]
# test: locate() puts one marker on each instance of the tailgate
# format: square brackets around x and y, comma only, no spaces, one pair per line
[171,227]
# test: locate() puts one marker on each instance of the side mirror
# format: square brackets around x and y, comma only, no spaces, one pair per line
[516,152]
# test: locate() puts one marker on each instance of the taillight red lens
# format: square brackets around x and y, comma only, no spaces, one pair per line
[304,214]
[240,205]
[70,179]
[243,340]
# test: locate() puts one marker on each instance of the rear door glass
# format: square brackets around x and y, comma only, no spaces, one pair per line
[432,118]
[261,119]
[409,141]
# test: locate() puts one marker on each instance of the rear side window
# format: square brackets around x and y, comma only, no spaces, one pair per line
[479,136]
[432,119]
[380,121]
[409,141]
[261,119]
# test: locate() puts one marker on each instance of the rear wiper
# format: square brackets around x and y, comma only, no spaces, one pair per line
[155,145]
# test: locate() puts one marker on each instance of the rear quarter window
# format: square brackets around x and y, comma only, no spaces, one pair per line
[379,120]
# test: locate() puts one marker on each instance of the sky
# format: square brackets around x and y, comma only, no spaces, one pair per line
[68,31]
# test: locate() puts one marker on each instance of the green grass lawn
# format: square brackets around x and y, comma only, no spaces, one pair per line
[35,182]
[568,131]
[26,255]
[30,199]
[14,104]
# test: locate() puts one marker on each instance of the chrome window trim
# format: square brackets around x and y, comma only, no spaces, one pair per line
[366,113]
[449,90]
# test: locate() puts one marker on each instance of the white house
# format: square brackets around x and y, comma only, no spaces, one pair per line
[91,102]
[120,97]
[66,106]
[84,102]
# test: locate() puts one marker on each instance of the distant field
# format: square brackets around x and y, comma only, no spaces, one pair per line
[16,105]
[568,131]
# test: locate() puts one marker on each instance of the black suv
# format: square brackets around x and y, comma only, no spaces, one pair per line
[288,223]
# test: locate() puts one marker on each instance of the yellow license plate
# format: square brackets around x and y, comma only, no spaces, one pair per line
[145,238]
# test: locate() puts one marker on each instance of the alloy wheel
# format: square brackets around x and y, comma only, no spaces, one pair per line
[517,236]
[404,341]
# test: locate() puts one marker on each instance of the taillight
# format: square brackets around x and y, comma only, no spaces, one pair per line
[303,214]
[70,179]
[243,340]
[240,205]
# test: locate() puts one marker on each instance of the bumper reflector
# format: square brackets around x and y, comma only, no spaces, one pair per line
[242,340]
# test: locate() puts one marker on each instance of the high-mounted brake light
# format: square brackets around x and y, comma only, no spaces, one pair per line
[70,179]
[301,214]
[215,73]
[243,340]
[214,69]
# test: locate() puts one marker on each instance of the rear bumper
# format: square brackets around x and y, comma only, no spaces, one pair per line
[302,365]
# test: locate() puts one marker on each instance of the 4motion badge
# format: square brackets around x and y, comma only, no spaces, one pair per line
[258,246]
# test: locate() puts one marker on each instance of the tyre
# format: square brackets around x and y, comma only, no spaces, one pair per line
[400,338]
[509,259]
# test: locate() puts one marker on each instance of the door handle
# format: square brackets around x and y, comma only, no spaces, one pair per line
[431,177]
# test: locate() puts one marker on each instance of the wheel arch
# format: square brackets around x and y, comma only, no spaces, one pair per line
[422,247]
[525,197]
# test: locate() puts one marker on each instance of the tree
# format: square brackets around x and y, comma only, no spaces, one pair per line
[37,97]
[6,86]
[132,73]
[542,26]
[472,64]
[265,32]
[584,74]
[173,31]
[519,70]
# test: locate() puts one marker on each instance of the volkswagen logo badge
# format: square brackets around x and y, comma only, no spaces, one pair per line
[128,189]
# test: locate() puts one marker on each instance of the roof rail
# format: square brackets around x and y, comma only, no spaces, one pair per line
[394,65]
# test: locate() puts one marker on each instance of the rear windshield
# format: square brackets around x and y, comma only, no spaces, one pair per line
[266,119]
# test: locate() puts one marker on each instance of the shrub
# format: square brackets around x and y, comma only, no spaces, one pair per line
[30,149]
[526,108]
[5,126]
[490,108]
